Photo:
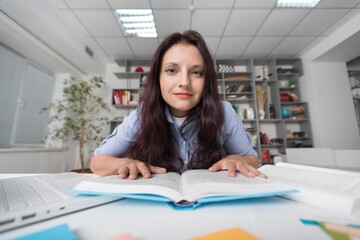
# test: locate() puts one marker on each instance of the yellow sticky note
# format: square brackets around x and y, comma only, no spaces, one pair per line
[232,233]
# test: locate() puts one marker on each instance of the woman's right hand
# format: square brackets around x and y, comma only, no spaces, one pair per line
[105,165]
[131,168]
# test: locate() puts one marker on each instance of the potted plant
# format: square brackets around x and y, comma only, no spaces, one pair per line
[77,114]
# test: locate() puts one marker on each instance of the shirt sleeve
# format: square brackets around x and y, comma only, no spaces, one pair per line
[236,139]
[118,141]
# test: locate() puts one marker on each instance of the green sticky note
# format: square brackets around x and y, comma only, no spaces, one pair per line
[334,235]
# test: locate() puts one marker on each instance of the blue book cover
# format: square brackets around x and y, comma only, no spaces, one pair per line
[189,190]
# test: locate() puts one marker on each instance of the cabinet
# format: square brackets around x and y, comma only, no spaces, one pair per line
[264,93]
[266,96]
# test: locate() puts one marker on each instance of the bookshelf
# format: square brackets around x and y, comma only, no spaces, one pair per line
[134,79]
[265,94]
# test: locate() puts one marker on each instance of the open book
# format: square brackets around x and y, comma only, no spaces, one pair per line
[332,189]
[190,189]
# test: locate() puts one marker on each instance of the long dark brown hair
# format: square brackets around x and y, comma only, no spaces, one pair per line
[154,142]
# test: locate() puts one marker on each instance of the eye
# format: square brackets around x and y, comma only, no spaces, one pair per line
[170,70]
[197,73]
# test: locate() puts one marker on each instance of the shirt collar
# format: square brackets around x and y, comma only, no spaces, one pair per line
[168,115]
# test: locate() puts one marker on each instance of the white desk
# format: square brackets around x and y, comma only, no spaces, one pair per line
[267,218]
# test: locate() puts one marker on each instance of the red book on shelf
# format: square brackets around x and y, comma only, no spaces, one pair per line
[264,138]
[118,94]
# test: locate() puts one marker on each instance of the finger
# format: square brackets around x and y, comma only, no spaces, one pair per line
[231,169]
[154,169]
[144,170]
[260,174]
[133,171]
[216,167]
[245,170]
[123,172]
[256,172]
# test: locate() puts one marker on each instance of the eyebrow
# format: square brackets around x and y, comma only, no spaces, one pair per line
[175,64]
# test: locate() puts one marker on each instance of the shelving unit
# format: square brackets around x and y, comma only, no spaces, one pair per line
[242,83]
[273,131]
[127,98]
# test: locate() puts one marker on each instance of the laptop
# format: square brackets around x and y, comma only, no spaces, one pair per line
[31,199]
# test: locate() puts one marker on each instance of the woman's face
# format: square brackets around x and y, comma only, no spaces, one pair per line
[182,78]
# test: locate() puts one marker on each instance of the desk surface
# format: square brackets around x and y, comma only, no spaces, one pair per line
[267,218]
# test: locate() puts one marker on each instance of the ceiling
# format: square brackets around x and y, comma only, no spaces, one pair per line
[231,28]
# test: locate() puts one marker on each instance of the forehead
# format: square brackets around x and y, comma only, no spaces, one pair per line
[183,52]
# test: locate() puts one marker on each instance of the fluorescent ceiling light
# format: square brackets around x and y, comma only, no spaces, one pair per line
[136,22]
[297,3]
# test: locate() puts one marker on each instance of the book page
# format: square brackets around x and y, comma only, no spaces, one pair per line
[327,179]
[203,183]
[318,185]
[167,185]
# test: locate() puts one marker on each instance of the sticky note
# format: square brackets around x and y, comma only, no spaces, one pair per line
[122,237]
[232,233]
[60,232]
[322,225]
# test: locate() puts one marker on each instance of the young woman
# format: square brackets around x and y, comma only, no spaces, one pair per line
[181,122]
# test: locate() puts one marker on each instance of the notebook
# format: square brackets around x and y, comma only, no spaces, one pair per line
[30,199]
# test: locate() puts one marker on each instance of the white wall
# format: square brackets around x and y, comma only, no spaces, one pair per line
[36,160]
[325,86]
[331,109]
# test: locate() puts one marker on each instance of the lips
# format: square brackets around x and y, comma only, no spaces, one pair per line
[183,95]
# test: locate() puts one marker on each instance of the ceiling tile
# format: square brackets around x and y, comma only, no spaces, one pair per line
[342,21]
[210,23]
[245,22]
[310,45]
[317,22]
[213,3]
[212,43]
[161,4]
[260,47]
[281,22]
[255,3]
[106,59]
[60,4]
[115,46]
[143,47]
[100,23]
[232,46]
[169,21]
[337,3]
[87,4]
[291,46]
[94,46]
[129,3]
[74,23]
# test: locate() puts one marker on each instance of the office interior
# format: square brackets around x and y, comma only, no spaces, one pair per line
[57,35]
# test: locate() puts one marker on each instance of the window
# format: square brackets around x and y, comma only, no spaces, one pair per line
[24,91]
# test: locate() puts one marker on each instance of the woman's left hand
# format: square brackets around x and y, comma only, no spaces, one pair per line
[243,164]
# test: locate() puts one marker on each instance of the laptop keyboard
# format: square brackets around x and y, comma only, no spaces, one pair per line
[17,194]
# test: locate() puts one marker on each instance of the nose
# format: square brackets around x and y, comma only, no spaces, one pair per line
[184,80]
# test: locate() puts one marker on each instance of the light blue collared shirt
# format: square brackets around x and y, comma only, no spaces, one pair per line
[233,137]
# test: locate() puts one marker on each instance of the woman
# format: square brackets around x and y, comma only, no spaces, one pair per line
[181,122]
